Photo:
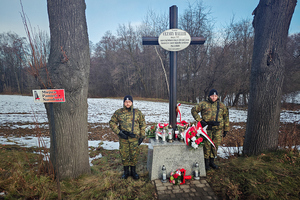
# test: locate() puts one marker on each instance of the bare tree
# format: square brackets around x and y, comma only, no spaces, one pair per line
[69,64]
[292,65]
[271,24]
[12,55]
[103,62]
[131,47]
[193,60]
[238,45]
[156,59]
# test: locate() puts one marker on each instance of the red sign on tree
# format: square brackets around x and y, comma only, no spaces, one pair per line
[49,95]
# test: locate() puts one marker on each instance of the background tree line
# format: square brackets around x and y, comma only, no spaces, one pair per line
[121,65]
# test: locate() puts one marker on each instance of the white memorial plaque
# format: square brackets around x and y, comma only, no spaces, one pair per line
[174,40]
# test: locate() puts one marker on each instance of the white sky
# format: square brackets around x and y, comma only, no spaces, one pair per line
[103,16]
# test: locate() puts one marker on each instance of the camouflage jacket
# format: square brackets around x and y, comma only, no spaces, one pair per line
[208,110]
[122,120]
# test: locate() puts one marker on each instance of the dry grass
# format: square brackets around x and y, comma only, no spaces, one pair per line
[19,178]
[275,175]
[272,175]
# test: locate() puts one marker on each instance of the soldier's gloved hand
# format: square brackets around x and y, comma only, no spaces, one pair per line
[213,123]
[209,127]
[203,123]
[131,134]
[225,133]
[122,135]
[216,123]
[141,140]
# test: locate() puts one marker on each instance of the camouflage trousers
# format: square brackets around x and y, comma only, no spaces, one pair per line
[129,151]
[216,137]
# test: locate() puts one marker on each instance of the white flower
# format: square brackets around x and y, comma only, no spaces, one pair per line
[193,139]
[194,145]
[198,133]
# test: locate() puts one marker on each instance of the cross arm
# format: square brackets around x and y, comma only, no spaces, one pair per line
[150,40]
[197,40]
[154,40]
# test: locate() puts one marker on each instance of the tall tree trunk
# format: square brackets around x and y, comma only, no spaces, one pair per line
[69,64]
[236,99]
[17,80]
[271,24]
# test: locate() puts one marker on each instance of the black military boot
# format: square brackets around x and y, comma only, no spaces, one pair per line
[206,164]
[133,173]
[126,172]
[212,164]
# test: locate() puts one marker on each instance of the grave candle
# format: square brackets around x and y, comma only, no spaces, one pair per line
[164,174]
[170,134]
[176,134]
[196,171]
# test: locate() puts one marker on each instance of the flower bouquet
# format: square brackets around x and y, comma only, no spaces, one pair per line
[150,131]
[162,128]
[194,136]
[179,177]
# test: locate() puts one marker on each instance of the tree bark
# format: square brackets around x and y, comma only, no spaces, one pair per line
[271,24]
[69,64]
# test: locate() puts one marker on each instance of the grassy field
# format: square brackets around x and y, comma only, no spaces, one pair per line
[23,175]
[271,175]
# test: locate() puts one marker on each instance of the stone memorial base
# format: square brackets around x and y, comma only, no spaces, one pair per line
[175,155]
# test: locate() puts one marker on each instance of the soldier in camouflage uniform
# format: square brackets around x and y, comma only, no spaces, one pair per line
[217,122]
[129,139]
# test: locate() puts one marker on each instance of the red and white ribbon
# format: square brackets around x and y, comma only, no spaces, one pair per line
[199,130]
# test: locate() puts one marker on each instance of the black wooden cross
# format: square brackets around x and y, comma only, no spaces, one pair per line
[173,14]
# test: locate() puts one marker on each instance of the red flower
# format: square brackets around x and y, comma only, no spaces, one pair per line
[199,140]
[193,134]
[175,175]
[188,136]
[160,126]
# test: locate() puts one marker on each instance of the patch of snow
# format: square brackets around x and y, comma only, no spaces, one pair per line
[94,158]
[21,109]
[237,127]
[292,98]
[15,109]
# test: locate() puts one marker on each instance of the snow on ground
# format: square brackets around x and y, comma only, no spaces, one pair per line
[15,109]
[292,98]
[223,152]
[21,109]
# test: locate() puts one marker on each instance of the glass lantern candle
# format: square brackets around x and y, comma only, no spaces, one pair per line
[156,136]
[196,171]
[163,136]
[176,134]
[164,174]
[170,134]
